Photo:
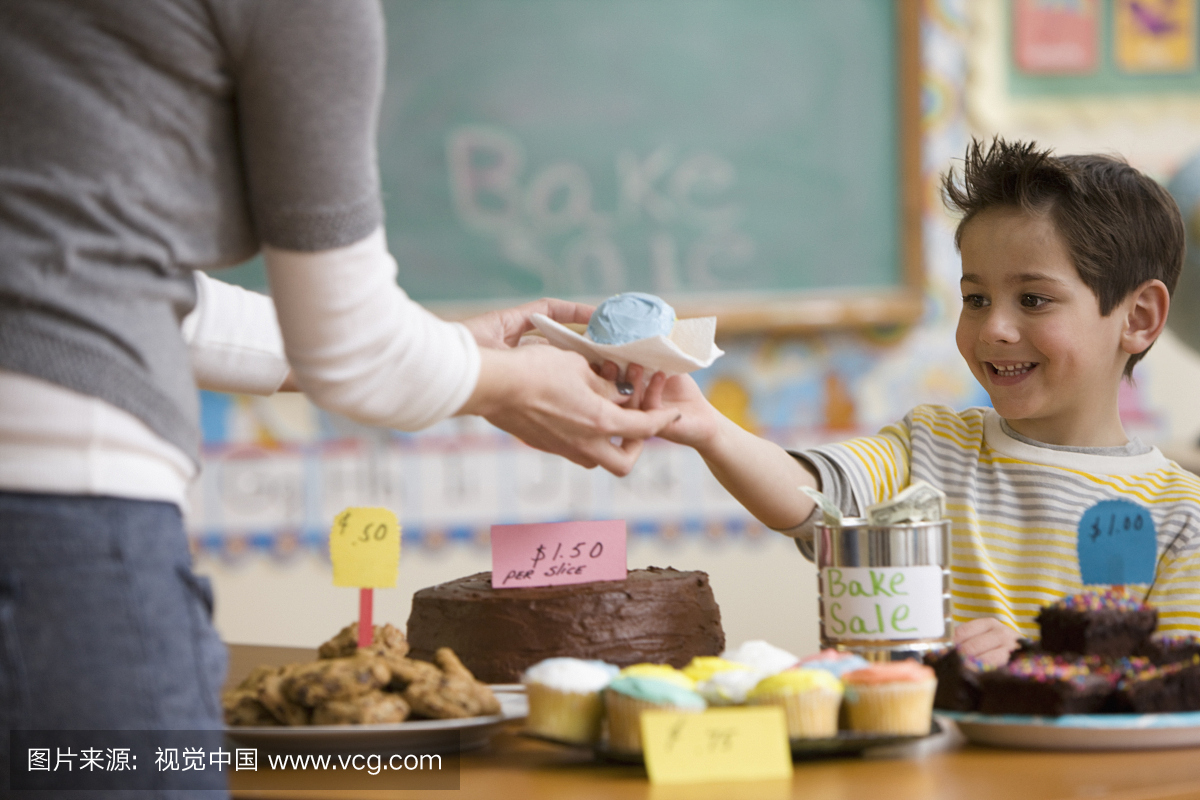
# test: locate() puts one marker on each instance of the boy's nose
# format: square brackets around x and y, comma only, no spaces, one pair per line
[999,327]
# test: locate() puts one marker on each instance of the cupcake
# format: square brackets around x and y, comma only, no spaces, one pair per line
[895,697]
[810,699]
[628,696]
[729,688]
[629,317]
[662,672]
[762,656]
[564,698]
[701,668]
[834,662]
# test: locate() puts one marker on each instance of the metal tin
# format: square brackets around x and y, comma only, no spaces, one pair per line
[884,589]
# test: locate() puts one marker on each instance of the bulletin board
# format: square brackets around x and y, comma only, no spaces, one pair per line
[1103,47]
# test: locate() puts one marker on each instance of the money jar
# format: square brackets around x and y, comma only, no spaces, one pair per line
[884,588]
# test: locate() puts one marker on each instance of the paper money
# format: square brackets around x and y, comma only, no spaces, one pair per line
[920,502]
[832,514]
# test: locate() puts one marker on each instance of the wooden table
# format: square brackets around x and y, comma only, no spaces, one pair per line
[516,768]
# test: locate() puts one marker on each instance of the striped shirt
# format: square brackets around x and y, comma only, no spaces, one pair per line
[1016,508]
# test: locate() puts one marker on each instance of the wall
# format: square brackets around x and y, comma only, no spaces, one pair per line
[276,470]
[1155,132]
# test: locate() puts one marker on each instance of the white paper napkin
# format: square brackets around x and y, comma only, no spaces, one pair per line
[691,346]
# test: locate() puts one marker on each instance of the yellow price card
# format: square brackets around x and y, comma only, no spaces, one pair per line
[364,545]
[718,745]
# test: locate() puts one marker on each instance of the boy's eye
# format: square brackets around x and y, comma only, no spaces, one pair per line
[1033,301]
[974,300]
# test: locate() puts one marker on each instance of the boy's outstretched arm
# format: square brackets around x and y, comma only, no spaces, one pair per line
[760,474]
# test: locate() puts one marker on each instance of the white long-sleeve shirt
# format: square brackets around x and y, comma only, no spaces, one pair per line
[357,343]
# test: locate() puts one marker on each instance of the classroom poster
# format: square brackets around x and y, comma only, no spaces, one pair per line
[1056,37]
[1154,36]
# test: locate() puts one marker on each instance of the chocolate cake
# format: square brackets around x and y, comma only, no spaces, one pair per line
[1109,623]
[656,615]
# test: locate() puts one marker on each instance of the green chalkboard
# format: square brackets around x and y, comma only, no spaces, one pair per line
[716,151]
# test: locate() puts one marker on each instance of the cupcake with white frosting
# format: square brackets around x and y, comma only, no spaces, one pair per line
[730,687]
[762,656]
[564,698]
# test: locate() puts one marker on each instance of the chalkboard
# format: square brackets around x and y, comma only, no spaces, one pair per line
[751,158]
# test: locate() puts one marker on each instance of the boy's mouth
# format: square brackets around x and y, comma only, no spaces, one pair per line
[1012,370]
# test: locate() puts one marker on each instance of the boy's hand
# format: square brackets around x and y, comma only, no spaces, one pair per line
[699,422]
[987,639]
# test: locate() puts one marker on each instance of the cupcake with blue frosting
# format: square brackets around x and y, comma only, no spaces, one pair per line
[628,317]
[629,695]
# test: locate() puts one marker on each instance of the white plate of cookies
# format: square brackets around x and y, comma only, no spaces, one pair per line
[372,699]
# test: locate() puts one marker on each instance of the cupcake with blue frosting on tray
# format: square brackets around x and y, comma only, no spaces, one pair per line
[835,662]
[645,687]
[564,698]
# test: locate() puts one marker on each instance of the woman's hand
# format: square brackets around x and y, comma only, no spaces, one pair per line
[552,400]
[500,330]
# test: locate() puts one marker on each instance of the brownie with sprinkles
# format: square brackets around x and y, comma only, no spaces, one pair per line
[1168,649]
[1158,688]
[1106,623]
[957,680]
[1047,685]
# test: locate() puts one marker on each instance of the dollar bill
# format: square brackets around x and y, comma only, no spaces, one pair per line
[831,513]
[920,502]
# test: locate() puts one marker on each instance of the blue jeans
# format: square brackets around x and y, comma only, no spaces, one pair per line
[103,625]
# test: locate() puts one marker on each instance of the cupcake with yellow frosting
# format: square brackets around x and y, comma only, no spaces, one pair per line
[645,687]
[722,682]
[564,698]
[810,699]
[701,668]
[894,697]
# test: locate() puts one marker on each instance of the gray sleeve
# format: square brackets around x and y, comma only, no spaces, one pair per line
[834,484]
[308,78]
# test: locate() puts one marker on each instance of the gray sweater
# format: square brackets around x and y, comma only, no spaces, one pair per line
[143,139]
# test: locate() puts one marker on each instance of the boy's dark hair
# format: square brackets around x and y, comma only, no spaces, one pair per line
[1120,227]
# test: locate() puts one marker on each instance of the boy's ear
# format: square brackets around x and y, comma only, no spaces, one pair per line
[1146,316]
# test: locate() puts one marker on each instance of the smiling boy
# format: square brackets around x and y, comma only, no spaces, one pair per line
[1068,266]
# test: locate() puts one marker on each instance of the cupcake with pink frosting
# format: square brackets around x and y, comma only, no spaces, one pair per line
[894,698]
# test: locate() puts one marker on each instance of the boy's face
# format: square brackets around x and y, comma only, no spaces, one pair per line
[1032,333]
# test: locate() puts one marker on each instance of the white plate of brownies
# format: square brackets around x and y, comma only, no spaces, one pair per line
[1079,731]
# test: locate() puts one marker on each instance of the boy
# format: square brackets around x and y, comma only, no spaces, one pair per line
[1068,266]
